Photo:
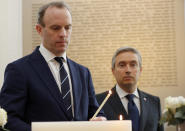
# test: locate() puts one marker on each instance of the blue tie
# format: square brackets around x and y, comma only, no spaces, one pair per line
[133,112]
[65,88]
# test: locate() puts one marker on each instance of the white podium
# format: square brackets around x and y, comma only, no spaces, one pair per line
[115,125]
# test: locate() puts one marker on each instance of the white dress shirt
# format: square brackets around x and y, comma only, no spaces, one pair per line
[122,95]
[54,67]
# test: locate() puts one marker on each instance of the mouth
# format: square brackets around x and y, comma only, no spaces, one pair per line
[61,42]
[128,78]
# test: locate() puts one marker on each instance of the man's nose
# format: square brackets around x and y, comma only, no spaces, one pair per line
[127,70]
[62,32]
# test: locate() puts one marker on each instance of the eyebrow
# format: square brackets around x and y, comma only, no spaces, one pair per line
[70,25]
[128,61]
[60,25]
[133,61]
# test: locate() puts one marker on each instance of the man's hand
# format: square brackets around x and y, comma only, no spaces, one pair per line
[99,118]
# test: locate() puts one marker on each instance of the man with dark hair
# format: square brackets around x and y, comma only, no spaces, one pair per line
[46,85]
[141,108]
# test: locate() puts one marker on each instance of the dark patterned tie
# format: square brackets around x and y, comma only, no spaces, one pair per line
[65,88]
[133,112]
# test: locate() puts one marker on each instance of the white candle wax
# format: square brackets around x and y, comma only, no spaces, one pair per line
[102,104]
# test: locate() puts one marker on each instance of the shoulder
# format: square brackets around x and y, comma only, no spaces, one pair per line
[23,60]
[79,70]
[23,63]
[101,96]
[150,97]
[19,63]
[77,65]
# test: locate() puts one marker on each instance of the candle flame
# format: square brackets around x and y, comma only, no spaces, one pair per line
[120,117]
[110,92]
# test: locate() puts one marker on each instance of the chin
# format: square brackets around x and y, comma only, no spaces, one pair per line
[62,49]
[127,85]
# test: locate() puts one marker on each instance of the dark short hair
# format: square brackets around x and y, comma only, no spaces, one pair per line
[42,10]
[126,49]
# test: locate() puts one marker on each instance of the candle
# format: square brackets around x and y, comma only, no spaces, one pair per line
[102,104]
[120,117]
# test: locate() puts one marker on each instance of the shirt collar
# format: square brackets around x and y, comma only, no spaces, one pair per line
[48,55]
[123,93]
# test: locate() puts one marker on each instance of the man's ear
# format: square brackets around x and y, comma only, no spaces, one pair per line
[38,28]
[113,70]
[141,69]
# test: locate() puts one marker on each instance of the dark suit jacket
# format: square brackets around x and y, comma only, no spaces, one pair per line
[150,109]
[30,93]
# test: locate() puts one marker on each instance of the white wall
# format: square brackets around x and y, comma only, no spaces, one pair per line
[10,33]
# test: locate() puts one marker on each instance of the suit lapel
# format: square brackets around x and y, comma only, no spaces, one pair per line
[41,67]
[76,84]
[144,102]
[117,104]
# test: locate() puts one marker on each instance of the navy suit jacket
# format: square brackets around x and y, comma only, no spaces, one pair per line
[30,93]
[150,110]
